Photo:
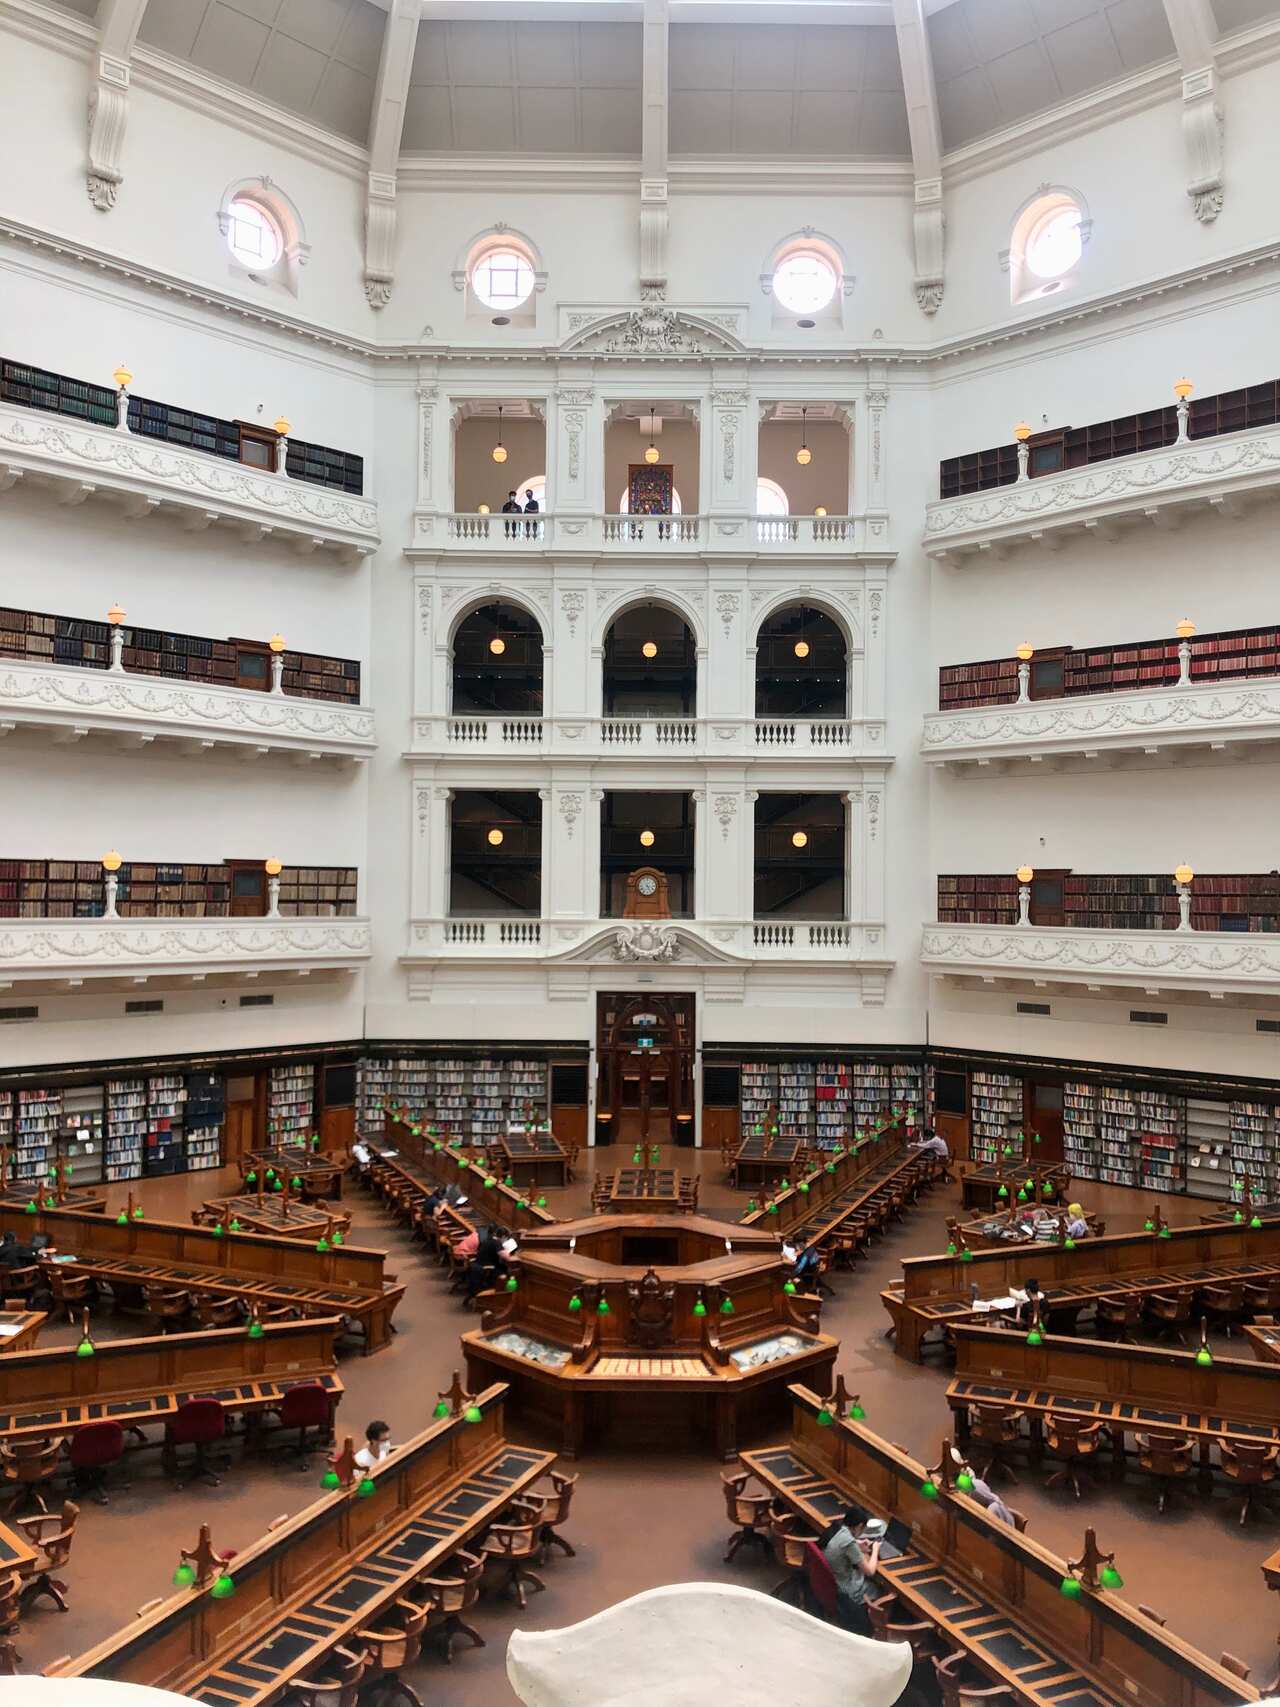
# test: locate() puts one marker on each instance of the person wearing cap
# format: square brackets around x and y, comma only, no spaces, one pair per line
[854,1561]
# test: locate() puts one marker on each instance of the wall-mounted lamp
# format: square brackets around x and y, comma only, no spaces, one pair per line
[111,863]
[115,616]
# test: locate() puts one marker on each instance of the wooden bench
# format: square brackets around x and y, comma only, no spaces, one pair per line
[989,1591]
[934,1292]
[844,1224]
[270,1272]
[441,1161]
[1130,1388]
[143,1381]
[322,1576]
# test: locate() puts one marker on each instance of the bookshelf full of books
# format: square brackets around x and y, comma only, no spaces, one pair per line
[126,1129]
[291,1093]
[825,1102]
[995,1110]
[1255,1149]
[488,1116]
[1080,1129]
[759,1087]
[205,1113]
[37,1120]
[833,1094]
[166,1113]
[797,1083]
[83,1133]
[528,1084]
[905,1084]
[6,1122]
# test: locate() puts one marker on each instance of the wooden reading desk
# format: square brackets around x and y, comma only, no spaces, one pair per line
[20,1329]
[442,1162]
[760,1160]
[980,1186]
[16,1552]
[935,1292]
[137,1382]
[828,1179]
[532,1159]
[1264,1338]
[286,1217]
[255,1267]
[330,1571]
[1130,1388]
[877,1193]
[646,1191]
[321,1176]
[987,1589]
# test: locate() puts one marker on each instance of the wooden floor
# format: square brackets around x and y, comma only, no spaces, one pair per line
[640,1521]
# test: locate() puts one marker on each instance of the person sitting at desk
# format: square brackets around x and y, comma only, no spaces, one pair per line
[1026,1305]
[432,1203]
[482,1271]
[377,1445]
[362,1153]
[806,1267]
[933,1143]
[1077,1226]
[14,1255]
[854,1562]
[991,1501]
[468,1244]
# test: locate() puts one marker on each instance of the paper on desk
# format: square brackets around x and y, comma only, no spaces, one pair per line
[9,1329]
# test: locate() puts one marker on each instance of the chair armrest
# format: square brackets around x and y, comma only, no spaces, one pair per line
[32,1527]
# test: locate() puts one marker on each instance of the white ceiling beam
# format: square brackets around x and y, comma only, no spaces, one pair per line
[925,130]
[1195,35]
[653,152]
[386,125]
[117,22]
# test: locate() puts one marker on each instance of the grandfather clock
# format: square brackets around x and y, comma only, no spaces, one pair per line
[647,895]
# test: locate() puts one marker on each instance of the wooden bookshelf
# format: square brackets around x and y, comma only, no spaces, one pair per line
[1062,448]
[973,900]
[43,638]
[36,388]
[74,889]
[1129,902]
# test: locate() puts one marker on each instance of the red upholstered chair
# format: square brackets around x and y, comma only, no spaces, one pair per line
[198,1423]
[90,1452]
[305,1407]
[822,1584]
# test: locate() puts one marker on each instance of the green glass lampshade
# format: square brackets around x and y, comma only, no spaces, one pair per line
[726,1306]
[137,1214]
[951,1247]
[1070,1589]
[512,1283]
[757,1129]
[1110,1577]
[270,1174]
[85,1348]
[277,1185]
[1029,1185]
[235,1225]
[785,1186]
[510,1180]
[1204,1357]
[442,1410]
[473,1414]
[366,1488]
[51,1203]
[542,1203]
[1003,1191]
[337,1237]
[216,1230]
[489,1180]
[223,1589]
[1255,1223]
[700,1308]
[1238,1217]
[522,1202]
[789,1287]
[1046,1190]
[830,1168]
[824,1418]
[322,1244]
[804,1187]
[295,1184]
[463,1163]
[329,1480]
[1022,1196]
[184,1576]
[857,1413]
[1148,1226]
[964,1481]
[602,1308]
[1068,1244]
[751,1206]
[929,1489]
[437,1146]
[1167,1232]
[31,1210]
[966,1255]
[1035,1337]
[254,1331]
[773,1209]
[1007,1151]
[251,1177]
[433,1131]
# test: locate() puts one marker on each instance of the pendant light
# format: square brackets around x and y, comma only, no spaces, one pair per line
[495,838]
[499,452]
[802,645]
[498,645]
[646,838]
[804,456]
[650,649]
[651,453]
[799,839]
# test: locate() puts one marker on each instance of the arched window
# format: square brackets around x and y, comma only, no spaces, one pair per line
[1049,235]
[650,665]
[502,276]
[804,281]
[263,233]
[806,277]
[501,272]
[771,500]
[801,665]
[253,236]
[497,663]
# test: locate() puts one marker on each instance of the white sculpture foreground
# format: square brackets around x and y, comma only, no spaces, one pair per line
[692,1643]
[83,1692]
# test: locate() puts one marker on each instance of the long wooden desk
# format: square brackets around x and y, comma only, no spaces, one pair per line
[533,1159]
[441,1161]
[824,1181]
[890,1179]
[330,1571]
[16,1552]
[1130,1388]
[980,1186]
[20,1329]
[17,1195]
[646,1191]
[256,1267]
[287,1218]
[1264,1340]
[990,1591]
[934,1292]
[136,1382]
[764,1161]
[321,1175]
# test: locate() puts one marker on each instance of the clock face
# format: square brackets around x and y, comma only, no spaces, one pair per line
[647,886]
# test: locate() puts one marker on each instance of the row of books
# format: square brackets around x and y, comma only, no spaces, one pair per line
[475,1099]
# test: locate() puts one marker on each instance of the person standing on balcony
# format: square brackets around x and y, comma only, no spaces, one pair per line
[530,509]
[511,508]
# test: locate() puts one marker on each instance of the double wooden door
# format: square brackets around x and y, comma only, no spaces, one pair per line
[644,1052]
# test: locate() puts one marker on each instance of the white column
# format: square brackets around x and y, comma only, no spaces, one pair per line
[875,623]
[573,841]
[731,674]
[575,455]
[730,446]
[568,694]
[868,491]
[726,845]
[544,795]
[873,843]
[429,884]
[653,154]
[435,462]
[855,863]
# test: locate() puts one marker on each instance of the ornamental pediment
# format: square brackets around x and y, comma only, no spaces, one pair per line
[652,329]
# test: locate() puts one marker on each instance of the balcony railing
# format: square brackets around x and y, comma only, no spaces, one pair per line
[1216,474]
[66,953]
[726,941]
[1157,963]
[617,534]
[644,737]
[145,477]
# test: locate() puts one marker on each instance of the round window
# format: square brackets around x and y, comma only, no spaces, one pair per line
[253,236]
[502,278]
[1055,245]
[804,281]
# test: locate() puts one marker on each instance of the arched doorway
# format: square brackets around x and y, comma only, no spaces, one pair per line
[802,666]
[644,1056]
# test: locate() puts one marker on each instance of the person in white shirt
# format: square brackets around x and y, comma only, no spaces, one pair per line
[362,1153]
[788,1251]
[377,1445]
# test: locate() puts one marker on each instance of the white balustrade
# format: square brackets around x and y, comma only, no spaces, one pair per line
[490,532]
[819,737]
[742,940]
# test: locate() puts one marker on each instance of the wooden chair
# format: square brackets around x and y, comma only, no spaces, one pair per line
[1223,1305]
[1000,1431]
[26,1466]
[749,1512]
[509,1549]
[957,1690]
[921,1634]
[449,1597]
[1170,1313]
[1116,1318]
[571,1153]
[550,1511]
[168,1307]
[338,1685]
[1262,1296]
[1073,1440]
[1251,1468]
[10,1605]
[1167,1457]
[71,1292]
[789,1545]
[219,1312]
[1019,1519]
[393,1644]
[20,1286]
[51,1536]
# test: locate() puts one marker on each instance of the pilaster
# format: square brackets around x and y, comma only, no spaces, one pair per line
[575,452]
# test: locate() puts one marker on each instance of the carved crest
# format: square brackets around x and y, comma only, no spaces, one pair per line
[654,330]
[652,1311]
[646,942]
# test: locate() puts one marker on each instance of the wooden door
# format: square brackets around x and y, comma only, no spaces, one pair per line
[245,1094]
[951,1109]
[1048,897]
[253,666]
[1048,673]
[1042,1113]
[645,1065]
[248,888]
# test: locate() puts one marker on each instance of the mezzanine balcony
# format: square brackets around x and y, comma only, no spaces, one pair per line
[626,535]
[505,737]
[1153,963]
[103,953]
